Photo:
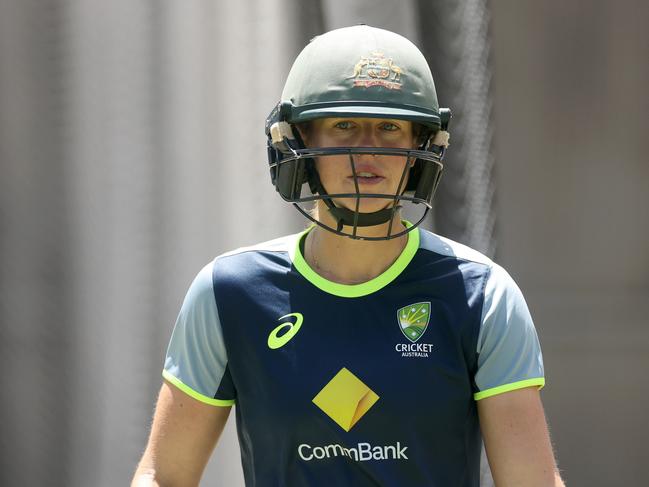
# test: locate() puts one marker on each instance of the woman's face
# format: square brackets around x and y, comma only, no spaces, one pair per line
[375,173]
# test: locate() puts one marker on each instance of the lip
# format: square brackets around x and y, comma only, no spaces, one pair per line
[367,181]
[364,167]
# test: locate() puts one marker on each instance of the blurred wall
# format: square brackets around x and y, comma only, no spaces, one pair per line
[573,203]
[132,152]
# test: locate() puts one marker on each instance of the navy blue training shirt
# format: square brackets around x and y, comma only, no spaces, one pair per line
[372,384]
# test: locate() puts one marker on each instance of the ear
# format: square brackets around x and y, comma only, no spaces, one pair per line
[303,131]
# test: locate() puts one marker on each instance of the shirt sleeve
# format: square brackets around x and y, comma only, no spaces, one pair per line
[509,353]
[196,360]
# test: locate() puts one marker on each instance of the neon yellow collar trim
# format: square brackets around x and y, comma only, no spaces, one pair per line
[362,289]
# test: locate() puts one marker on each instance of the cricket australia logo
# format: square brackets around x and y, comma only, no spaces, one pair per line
[413,321]
[377,70]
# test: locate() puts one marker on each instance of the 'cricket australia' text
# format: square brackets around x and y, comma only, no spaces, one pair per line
[414,349]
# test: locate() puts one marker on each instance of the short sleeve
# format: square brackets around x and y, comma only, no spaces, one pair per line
[509,353]
[197,361]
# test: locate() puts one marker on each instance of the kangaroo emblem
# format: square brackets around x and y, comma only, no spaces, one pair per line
[395,69]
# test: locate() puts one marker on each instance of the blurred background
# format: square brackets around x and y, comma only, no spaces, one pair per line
[132,152]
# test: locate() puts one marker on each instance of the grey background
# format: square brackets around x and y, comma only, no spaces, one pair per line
[132,152]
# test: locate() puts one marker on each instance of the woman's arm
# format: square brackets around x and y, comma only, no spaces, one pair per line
[517,441]
[183,435]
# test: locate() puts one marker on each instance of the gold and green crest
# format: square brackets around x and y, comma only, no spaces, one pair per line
[413,320]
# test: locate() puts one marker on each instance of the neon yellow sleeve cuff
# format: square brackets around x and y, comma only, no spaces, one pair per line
[196,395]
[539,381]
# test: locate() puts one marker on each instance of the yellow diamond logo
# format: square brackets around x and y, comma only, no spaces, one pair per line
[345,399]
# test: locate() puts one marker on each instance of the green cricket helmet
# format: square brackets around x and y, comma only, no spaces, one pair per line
[358,71]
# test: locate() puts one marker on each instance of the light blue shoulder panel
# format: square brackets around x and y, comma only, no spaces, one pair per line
[509,351]
[196,357]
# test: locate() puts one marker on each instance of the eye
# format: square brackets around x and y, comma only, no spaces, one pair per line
[390,127]
[344,125]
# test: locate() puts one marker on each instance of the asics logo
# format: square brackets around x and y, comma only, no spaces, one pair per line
[275,341]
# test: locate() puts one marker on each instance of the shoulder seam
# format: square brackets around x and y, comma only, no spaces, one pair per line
[449,248]
[483,291]
[489,265]
[246,250]
[269,246]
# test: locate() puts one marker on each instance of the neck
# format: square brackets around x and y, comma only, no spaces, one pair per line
[348,261]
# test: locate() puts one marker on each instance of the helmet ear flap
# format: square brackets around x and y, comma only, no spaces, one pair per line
[287,174]
[290,177]
[425,175]
[428,181]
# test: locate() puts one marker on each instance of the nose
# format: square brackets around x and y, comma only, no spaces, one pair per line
[367,136]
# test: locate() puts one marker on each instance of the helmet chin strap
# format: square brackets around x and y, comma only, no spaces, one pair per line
[344,216]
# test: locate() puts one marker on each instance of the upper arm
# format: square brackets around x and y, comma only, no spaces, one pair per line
[508,378]
[516,439]
[183,436]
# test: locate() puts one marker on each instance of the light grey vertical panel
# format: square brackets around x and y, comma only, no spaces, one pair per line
[190,165]
[35,337]
[112,173]
[245,58]
[186,168]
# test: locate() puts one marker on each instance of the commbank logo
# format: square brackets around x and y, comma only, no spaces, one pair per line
[362,452]
[276,341]
[345,399]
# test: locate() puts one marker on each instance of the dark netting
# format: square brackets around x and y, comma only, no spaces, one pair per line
[455,41]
